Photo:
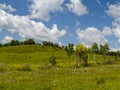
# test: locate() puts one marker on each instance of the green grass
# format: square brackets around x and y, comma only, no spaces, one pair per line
[100,78]
[26,68]
[28,54]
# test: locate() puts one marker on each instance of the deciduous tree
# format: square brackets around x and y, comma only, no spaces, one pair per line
[70,50]
[104,49]
[81,52]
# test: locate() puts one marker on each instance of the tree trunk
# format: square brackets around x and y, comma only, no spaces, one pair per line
[78,62]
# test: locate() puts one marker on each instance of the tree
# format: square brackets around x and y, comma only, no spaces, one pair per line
[70,50]
[29,42]
[81,52]
[0,45]
[117,55]
[85,58]
[14,42]
[94,49]
[104,49]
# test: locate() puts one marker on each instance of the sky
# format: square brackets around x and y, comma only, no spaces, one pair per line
[61,21]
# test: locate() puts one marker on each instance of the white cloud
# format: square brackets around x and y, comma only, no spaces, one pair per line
[117,32]
[91,35]
[8,8]
[41,9]
[7,39]
[27,28]
[114,49]
[77,7]
[119,40]
[107,31]
[113,11]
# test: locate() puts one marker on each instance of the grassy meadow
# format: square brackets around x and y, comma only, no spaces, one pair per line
[28,68]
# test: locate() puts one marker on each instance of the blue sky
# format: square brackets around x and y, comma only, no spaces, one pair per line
[61,21]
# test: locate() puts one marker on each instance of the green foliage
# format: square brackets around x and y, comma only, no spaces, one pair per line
[95,48]
[81,52]
[0,45]
[85,59]
[52,60]
[70,50]
[104,50]
[48,43]
[14,42]
[100,80]
[29,42]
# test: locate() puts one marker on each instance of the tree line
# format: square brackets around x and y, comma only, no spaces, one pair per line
[80,50]
[95,48]
[16,43]
[30,42]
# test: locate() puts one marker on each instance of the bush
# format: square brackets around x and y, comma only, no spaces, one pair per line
[52,60]
[100,80]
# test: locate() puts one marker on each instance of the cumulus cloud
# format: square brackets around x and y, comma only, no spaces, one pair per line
[117,32]
[41,9]
[91,35]
[8,8]
[107,31]
[77,7]
[27,28]
[113,11]
[119,40]
[7,39]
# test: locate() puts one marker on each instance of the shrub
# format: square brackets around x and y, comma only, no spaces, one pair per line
[100,80]
[52,60]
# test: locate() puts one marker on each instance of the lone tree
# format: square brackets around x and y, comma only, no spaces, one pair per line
[104,49]
[70,50]
[81,52]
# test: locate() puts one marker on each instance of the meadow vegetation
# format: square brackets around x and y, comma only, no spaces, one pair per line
[43,67]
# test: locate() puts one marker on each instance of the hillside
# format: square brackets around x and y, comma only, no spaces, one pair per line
[37,54]
[24,68]
[29,54]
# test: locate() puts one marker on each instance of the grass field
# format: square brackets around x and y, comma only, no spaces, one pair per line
[24,68]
